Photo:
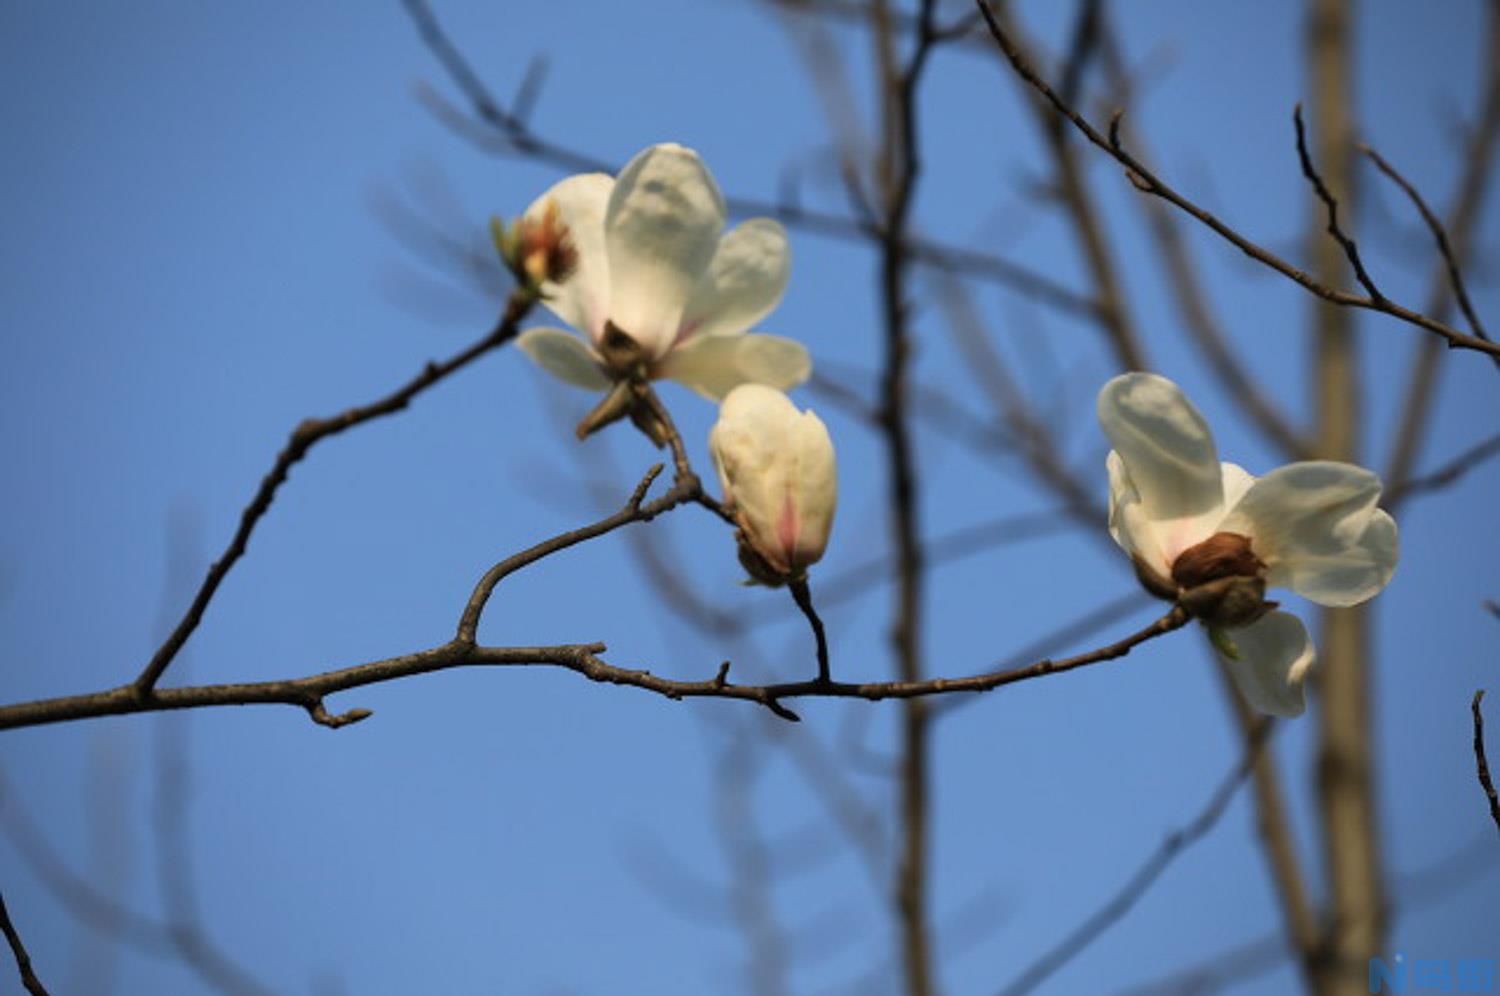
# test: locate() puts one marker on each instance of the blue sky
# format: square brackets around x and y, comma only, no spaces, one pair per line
[197,255]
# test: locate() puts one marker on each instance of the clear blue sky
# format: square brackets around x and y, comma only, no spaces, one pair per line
[194,259]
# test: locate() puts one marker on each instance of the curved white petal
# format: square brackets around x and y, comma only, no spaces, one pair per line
[1165,445]
[743,283]
[1275,654]
[1128,525]
[806,532]
[715,365]
[1316,526]
[661,229]
[583,299]
[1237,481]
[564,356]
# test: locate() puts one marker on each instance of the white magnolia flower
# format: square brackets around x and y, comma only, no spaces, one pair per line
[658,283]
[779,476]
[1217,536]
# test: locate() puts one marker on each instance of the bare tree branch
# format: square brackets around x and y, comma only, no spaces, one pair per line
[1331,205]
[1481,765]
[1148,182]
[1444,475]
[1355,921]
[1439,235]
[503,132]
[18,949]
[303,438]
[308,693]
[1073,190]
[1189,293]
[1474,182]
[901,165]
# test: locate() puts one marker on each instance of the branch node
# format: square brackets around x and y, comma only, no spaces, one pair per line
[774,704]
[321,716]
[639,494]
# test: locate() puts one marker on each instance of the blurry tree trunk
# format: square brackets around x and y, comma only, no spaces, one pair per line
[1355,925]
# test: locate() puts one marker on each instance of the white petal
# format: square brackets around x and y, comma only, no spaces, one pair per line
[1165,445]
[1128,524]
[1237,481]
[816,490]
[661,229]
[744,282]
[1275,655]
[715,365]
[583,299]
[1316,526]
[565,356]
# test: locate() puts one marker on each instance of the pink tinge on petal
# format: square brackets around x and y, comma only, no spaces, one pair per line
[787,528]
[685,332]
[596,319]
[1180,535]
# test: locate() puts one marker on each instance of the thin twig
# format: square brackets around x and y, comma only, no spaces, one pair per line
[1420,394]
[1481,764]
[1439,235]
[1064,636]
[503,132]
[1446,474]
[1190,295]
[1073,191]
[803,597]
[23,959]
[1146,875]
[303,438]
[635,509]
[1331,204]
[1148,182]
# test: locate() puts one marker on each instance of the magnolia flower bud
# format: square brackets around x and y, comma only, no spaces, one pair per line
[537,249]
[1222,581]
[780,482]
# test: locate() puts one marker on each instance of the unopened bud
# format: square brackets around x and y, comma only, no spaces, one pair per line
[778,470]
[537,248]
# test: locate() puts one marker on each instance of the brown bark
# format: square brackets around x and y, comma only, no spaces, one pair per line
[1355,929]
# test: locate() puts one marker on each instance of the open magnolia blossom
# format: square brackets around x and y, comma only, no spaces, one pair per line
[1213,538]
[655,285]
[780,480]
